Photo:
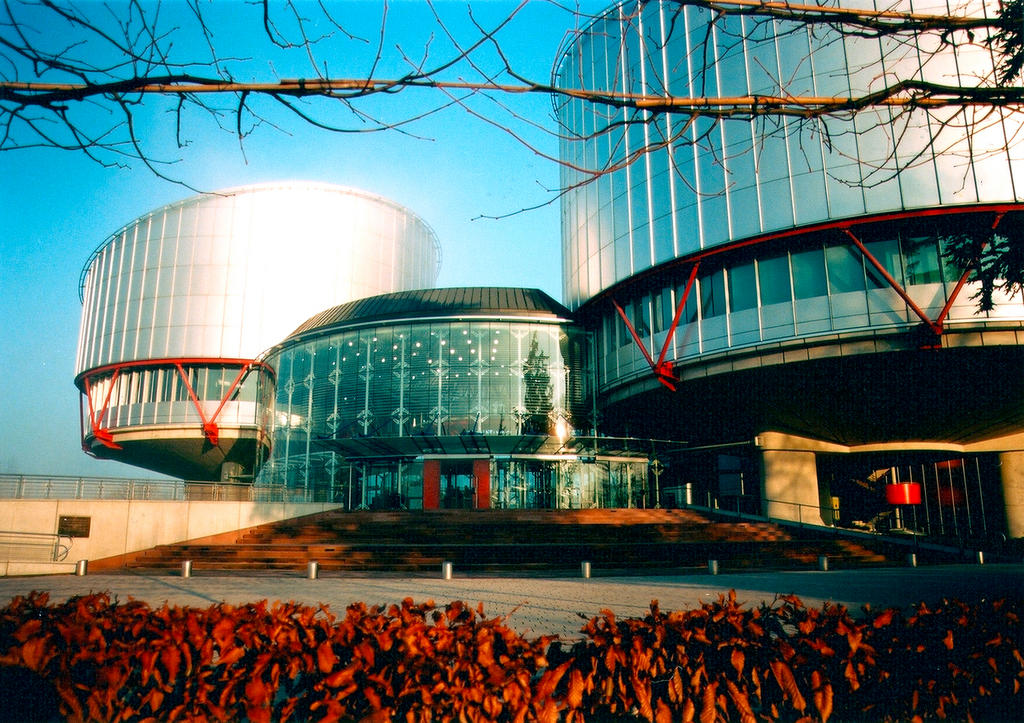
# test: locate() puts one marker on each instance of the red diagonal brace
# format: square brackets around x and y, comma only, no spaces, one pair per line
[963,278]
[668,379]
[102,434]
[209,426]
[937,328]
[662,364]
[941,319]
[663,369]
[242,373]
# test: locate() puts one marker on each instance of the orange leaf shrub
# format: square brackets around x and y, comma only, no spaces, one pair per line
[726,662]
[112,661]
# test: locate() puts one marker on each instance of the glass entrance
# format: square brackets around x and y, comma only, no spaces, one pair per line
[457,485]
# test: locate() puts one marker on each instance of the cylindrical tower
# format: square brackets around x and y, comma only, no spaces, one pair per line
[178,304]
[783,274]
[698,184]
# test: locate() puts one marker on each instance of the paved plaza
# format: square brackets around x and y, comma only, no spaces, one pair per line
[544,605]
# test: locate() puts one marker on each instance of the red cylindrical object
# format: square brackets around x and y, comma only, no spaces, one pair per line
[904,493]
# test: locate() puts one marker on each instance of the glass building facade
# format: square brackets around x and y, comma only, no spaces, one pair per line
[763,205]
[696,184]
[786,277]
[444,398]
[820,286]
[178,304]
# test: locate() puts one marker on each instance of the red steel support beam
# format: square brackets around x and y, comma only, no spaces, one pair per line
[675,323]
[242,374]
[636,337]
[937,328]
[667,379]
[941,319]
[210,430]
[98,432]
[170,362]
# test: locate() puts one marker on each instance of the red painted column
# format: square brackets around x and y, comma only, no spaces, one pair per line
[482,475]
[431,484]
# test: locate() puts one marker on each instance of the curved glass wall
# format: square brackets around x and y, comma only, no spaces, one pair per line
[818,285]
[369,413]
[442,378]
[162,395]
[228,275]
[702,184]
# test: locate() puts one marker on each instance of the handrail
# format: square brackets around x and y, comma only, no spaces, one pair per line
[54,487]
[916,540]
[53,544]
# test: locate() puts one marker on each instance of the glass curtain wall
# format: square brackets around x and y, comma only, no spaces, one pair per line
[816,287]
[569,484]
[443,378]
[159,395]
[230,274]
[696,184]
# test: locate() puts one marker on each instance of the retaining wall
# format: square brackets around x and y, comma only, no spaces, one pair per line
[118,527]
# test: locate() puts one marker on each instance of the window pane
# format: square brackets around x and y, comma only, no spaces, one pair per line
[712,294]
[922,254]
[690,311]
[658,312]
[845,269]
[888,254]
[668,309]
[773,275]
[809,274]
[641,317]
[742,287]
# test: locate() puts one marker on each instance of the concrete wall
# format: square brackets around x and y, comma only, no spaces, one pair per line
[1012,471]
[122,526]
[789,486]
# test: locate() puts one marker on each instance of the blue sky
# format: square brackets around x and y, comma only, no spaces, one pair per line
[57,206]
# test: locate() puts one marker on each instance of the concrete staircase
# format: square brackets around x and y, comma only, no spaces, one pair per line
[623,541]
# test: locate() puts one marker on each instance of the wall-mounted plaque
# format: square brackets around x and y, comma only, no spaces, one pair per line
[73,526]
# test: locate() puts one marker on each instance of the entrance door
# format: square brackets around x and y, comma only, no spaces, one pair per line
[457,488]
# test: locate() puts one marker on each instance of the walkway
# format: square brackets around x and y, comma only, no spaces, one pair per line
[546,605]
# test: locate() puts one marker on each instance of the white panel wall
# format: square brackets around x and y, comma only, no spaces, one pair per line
[228,275]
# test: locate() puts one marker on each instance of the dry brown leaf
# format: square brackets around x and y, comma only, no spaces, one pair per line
[708,712]
[737,658]
[784,676]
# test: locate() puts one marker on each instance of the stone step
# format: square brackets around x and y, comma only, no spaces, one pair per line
[510,539]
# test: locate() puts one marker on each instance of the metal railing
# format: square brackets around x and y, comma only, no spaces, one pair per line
[48,487]
[750,507]
[33,546]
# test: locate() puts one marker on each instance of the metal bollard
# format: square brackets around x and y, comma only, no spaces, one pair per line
[186,568]
[823,563]
[912,559]
[446,570]
[313,570]
[713,567]
[82,568]
[980,557]
[585,569]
